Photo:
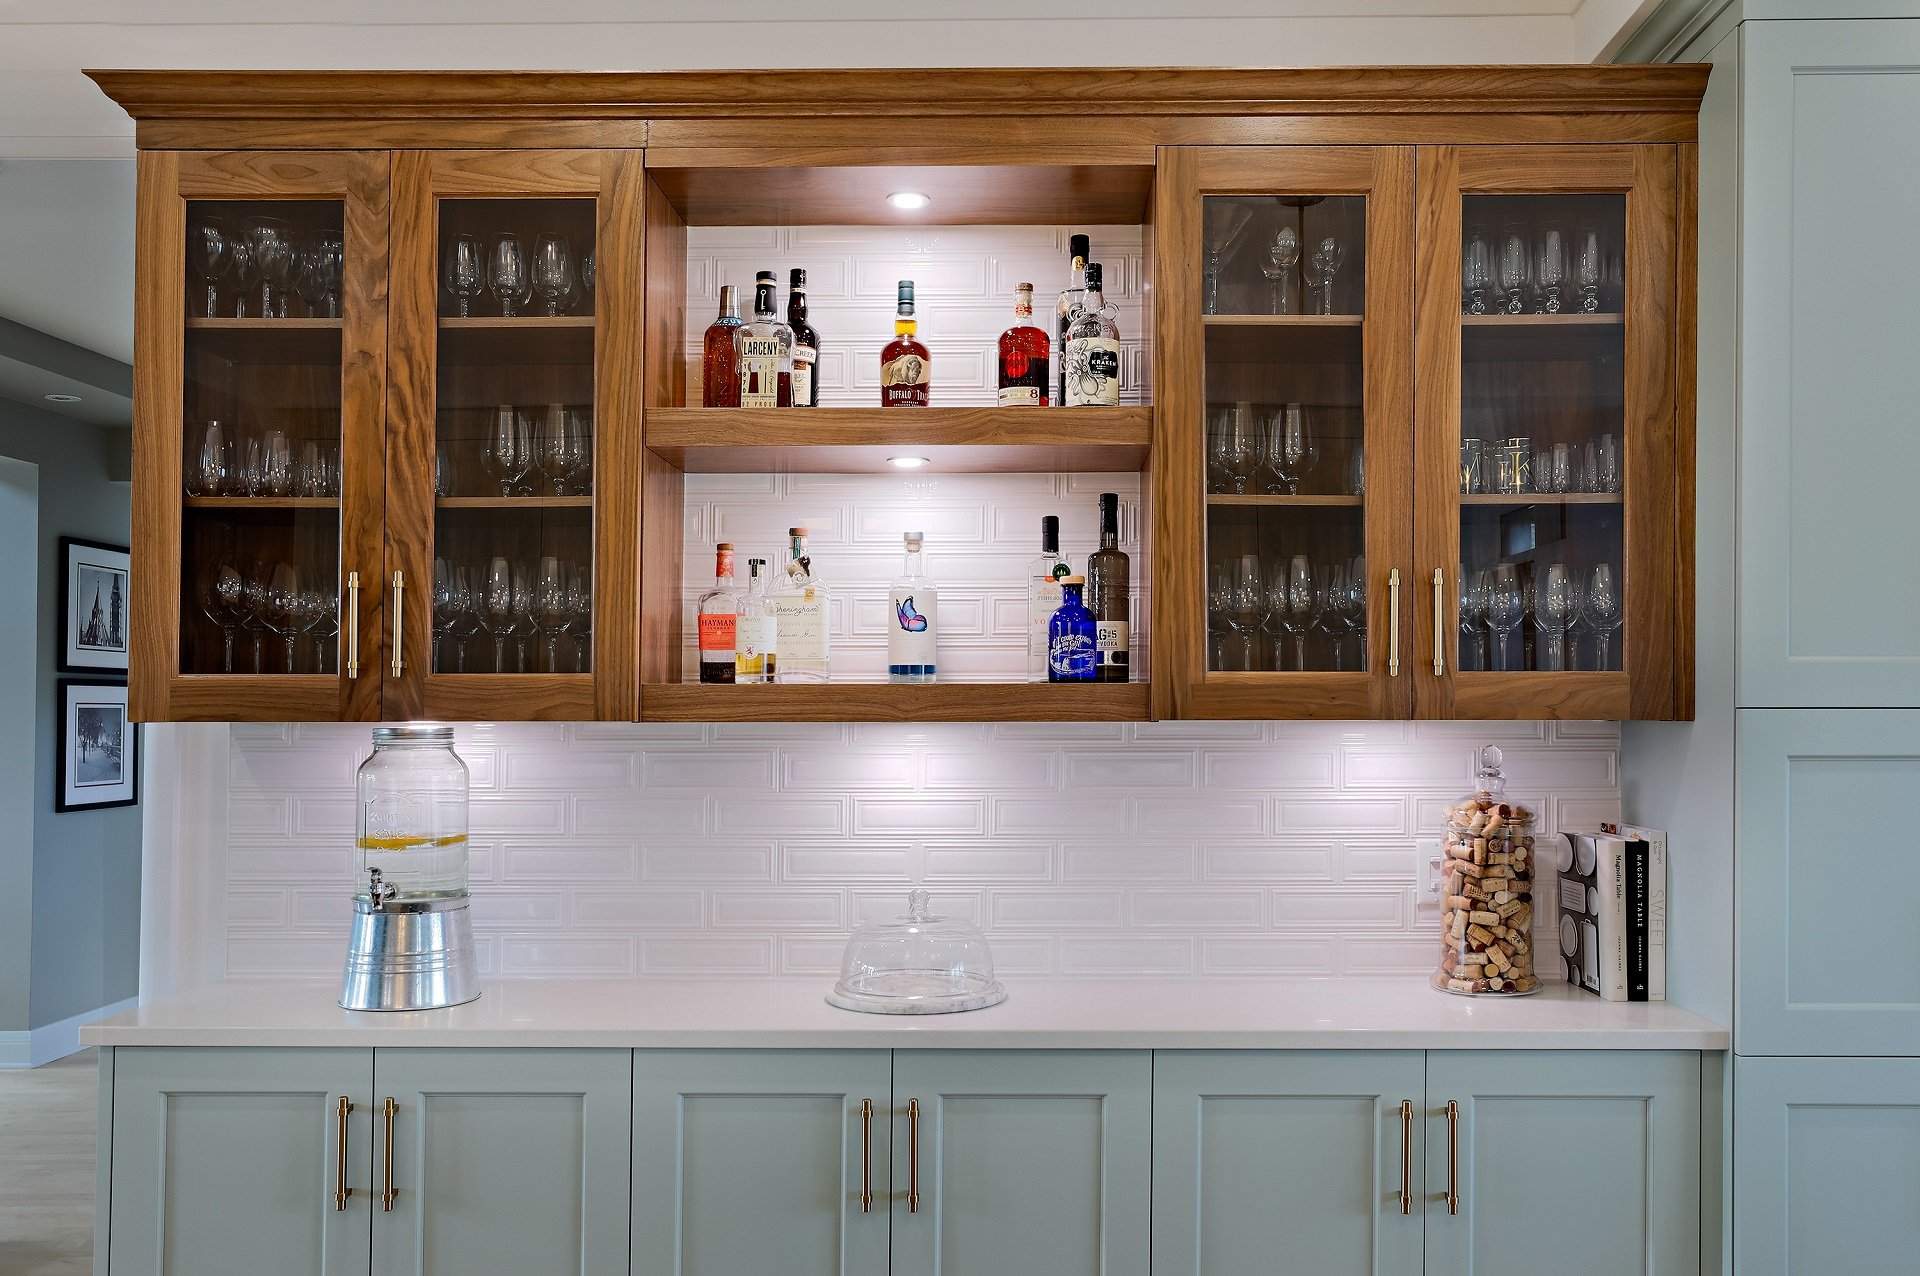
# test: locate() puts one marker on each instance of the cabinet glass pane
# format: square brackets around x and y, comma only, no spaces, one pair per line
[1285,473]
[1543,449]
[261,464]
[513,455]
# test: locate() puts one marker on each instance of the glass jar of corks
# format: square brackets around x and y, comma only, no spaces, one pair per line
[1486,918]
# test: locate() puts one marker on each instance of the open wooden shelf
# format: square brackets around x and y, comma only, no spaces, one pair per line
[894,702]
[1542,498]
[262,502]
[517,322]
[1261,498]
[760,186]
[860,440]
[513,502]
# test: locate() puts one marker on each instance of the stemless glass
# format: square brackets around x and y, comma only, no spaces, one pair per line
[552,270]
[276,468]
[210,468]
[210,249]
[1589,267]
[465,273]
[1511,269]
[1607,474]
[507,273]
[1560,468]
[1476,274]
[1505,607]
[1603,613]
[1550,268]
[1282,253]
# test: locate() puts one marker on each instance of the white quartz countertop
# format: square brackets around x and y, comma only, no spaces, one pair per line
[1167,1014]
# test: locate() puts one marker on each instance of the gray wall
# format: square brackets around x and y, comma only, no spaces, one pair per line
[71,891]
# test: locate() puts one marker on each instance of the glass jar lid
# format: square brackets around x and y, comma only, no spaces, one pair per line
[414,733]
[917,964]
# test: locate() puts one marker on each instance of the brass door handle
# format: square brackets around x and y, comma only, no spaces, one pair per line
[1393,623]
[1453,1156]
[399,622]
[1406,1156]
[1439,623]
[866,1155]
[353,624]
[387,1193]
[913,1156]
[340,1189]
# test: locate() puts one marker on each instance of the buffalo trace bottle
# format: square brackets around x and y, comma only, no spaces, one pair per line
[1109,585]
[766,352]
[1070,649]
[720,609]
[806,344]
[905,367]
[1024,356]
[720,369]
[913,605]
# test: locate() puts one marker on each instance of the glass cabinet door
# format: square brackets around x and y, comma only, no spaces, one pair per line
[1286,393]
[1548,486]
[262,346]
[499,533]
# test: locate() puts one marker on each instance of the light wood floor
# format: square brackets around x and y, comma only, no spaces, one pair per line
[47,1120]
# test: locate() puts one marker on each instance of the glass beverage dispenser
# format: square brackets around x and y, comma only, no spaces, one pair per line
[412,944]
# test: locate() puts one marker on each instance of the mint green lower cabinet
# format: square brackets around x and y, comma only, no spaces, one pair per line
[1826,1165]
[504,1161]
[227,1160]
[1032,1161]
[1287,1161]
[1580,1162]
[755,1161]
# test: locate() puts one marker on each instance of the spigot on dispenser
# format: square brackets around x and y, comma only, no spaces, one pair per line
[379,889]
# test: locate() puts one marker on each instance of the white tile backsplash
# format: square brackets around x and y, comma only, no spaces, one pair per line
[1237,850]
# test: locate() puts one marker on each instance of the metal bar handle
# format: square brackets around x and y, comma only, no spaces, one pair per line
[1439,623]
[1393,623]
[353,624]
[866,1155]
[387,1193]
[913,1156]
[399,622]
[340,1189]
[1453,1156]
[1406,1156]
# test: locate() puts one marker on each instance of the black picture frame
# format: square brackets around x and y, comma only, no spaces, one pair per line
[90,571]
[79,781]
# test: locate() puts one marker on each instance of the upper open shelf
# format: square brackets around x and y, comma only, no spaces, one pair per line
[958,195]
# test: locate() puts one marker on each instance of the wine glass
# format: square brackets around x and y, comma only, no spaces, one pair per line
[323,622]
[1560,468]
[210,469]
[1550,268]
[1550,614]
[496,604]
[586,276]
[1242,447]
[1505,607]
[1282,254]
[1301,604]
[1327,258]
[1473,615]
[552,270]
[321,265]
[509,454]
[445,478]
[282,610]
[467,620]
[1589,268]
[446,611]
[272,243]
[276,468]
[1219,604]
[563,449]
[524,626]
[1511,267]
[1332,609]
[222,594]
[552,610]
[580,603]
[1289,449]
[1219,451]
[1221,224]
[245,270]
[507,273]
[1607,473]
[1603,613]
[465,273]
[210,249]
[1357,607]
[1247,607]
[1476,274]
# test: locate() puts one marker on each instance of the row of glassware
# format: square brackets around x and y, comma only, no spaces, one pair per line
[503,267]
[1287,612]
[1547,272]
[486,617]
[253,269]
[526,452]
[1514,466]
[1274,449]
[224,459]
[1315,264]
[258,597]
[1552,616]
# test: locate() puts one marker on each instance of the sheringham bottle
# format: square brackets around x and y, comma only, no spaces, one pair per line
[801,602]
[1070,636]
[720,609]
[1079,248]
[806,344]
[913,619]
[1092,357]
[1043,596]
[766,352]
[905,367]
[757,654]
[1108,586]
[720,369]
[1025,379]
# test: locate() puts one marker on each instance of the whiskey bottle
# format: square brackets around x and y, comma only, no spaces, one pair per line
[1024,365]
[1070,636]
[1043,596]
[720,609]
[757,655]
[1079,248]
[804,617]
[1108,586]
[905,377]
[806,344]
[1091,363]
[766,352]
[913,612]
[720,371]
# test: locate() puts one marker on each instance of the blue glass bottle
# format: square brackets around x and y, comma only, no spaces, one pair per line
[1070,636]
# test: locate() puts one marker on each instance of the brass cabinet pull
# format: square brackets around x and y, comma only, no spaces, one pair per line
[1439,623]
[1406,1156]
[866,1155]
[399,621]
[387,1194]
[353,624]
[1453,1157]
[1393,623]
[913,1156]
[340,1189]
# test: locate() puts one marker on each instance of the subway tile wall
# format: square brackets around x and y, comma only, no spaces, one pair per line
[659,851]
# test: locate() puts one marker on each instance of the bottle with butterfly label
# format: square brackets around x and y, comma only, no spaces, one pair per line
[913,606]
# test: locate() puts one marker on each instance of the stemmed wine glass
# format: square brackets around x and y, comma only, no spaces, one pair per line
[1505,607]
[507,273]
[467,618]
[552,610]
[1473,619]
[466,273]
[552,270]
[1326,263]
[1603,613]
[1357,608]
[1511,267]
[210,247]
[580,604]
[1282,254]
[497,607]
[1289,450]
[272,244]
[321,265]
[1476,274]
[523,622]
[1219,602]
[283,611]
[223,599]
[253,616]
[1301,604]
[323,622]
[245,269]
[446,611]
[1221,225]
[1247,607]
[1240,447]
[586,275]
[1332,609]
[1550,268]
[509,455]
[1588,268]
[1550,614]
[563,448]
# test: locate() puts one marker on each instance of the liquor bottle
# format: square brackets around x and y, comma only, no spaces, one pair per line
[1024,377]
[1091,362]
[802,605]
[720,373]
[1043,596]
[720,609]
[912,631]
[1079,248]
[757,654]
[806,344]
[1070,636]
[766,352]
[1107,597]
[904,372]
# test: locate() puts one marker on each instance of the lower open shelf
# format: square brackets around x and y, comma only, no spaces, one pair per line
[895,702]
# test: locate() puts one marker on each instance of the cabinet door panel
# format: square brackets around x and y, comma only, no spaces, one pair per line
[1028,1161]
[1592,1157]
[1258,1155]
[505,1161]
[755,1161]
[221,1156]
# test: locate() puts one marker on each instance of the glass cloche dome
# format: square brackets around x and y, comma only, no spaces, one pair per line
[917,964]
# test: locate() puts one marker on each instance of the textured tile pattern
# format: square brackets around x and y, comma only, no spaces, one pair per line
[1231,849]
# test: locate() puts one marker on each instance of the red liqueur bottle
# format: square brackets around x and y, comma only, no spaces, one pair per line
[1024,362]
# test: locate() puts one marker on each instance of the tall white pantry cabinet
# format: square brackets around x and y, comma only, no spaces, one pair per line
[1807,743]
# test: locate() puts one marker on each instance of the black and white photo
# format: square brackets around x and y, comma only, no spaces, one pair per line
[94,621]
[98,747]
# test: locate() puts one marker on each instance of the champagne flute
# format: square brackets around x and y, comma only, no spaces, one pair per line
[210,247]
[1476,273]
[1511,268]
[465,273]
[1282,254]
[1219,451]
[524,626]
[445,611]
[1550,268]
[1357,607]
[1588,267]
[1328,257]
[245,269]
[586,276]
[1219,603]
[552,270]
[1505,607]
[1603,613]
[1607,475]
[1333,610]
[507,273]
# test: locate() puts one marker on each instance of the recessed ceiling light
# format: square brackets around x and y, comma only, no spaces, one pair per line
[62,398]
[908,199]
[908,462]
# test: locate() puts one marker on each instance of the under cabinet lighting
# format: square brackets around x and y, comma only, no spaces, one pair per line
[62,398]
[908,200]
[908,462]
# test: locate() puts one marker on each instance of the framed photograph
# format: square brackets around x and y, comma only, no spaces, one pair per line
[99,749]
[93,607]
